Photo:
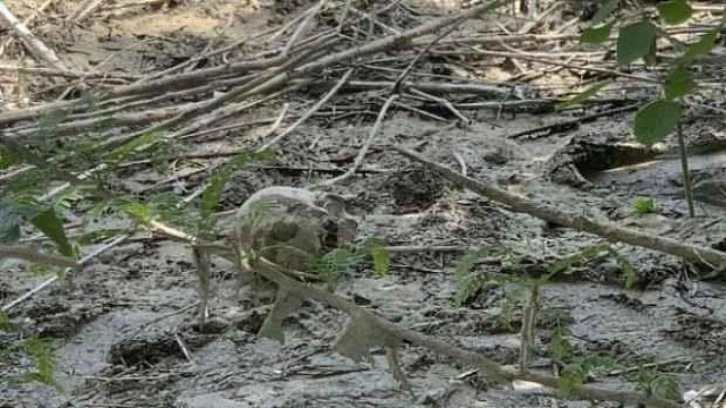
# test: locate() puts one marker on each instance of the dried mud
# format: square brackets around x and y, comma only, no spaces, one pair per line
[118,327]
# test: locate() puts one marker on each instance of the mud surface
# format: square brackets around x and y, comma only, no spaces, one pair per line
[125,334]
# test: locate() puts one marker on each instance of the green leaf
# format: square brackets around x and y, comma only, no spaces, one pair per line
[41,353]
[606,10]
[570,376]
[678,83]
[381,259]
[49,223]
[10,220]
[332,265]
[584,95]
[140,211]
[703,46]
[7,158]
[596,34]
[644,205]
[214,188]
[635,41]
[127,149]
[654,121]
[675,11]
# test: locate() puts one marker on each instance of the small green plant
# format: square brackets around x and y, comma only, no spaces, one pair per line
[657,384]
[564,264]
[644,205]
[638,33]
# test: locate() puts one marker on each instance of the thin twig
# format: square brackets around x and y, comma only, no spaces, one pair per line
[309,113]
[364,150]
[303,26]
[51,280]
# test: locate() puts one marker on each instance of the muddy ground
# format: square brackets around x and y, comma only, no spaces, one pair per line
[118,328]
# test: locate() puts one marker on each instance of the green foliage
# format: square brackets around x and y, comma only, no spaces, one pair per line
[35,348]
[124,152]
[49,223]
[139,211]
[7,158]
[559,346]
[563,265]
[644,205]
[657,384]
[331,266]
[584,95]
[702,46]
[678,83]
[41,353]
[215,186]
[375,248]
[656,120]
[468,280]
[675,11]
[597,34]
[571,376]
[11,217]
[635,40]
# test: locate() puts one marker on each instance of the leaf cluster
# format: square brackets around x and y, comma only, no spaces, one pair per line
[636,39]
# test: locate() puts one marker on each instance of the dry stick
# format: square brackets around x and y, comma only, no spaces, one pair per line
[280,75]
[611,232]
[374,20]
[558,63]
[526,28]
[303,26]
[280,31]
[30,18]
[416,110]
[201,190]
[110,121]
[65,73]
[496,372]
[230,110]
[448,105]
[310,112]
[173,82]
[364,150]
[397,83]
[271,80]
[84,10]
[486,90]
[489,39]
[32,43]
[202,76]
[84,261]
[572,123]
[394,41]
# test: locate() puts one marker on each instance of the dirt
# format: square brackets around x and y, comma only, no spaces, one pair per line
[118,327]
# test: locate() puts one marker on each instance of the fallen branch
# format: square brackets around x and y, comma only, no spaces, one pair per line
[611,232]
[32,43]
[364,149]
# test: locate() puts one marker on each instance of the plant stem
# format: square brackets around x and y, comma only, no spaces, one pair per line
[684,169]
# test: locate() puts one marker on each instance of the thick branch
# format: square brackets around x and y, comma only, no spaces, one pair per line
[611,232]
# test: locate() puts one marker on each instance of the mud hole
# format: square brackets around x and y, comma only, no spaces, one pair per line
[125,333]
